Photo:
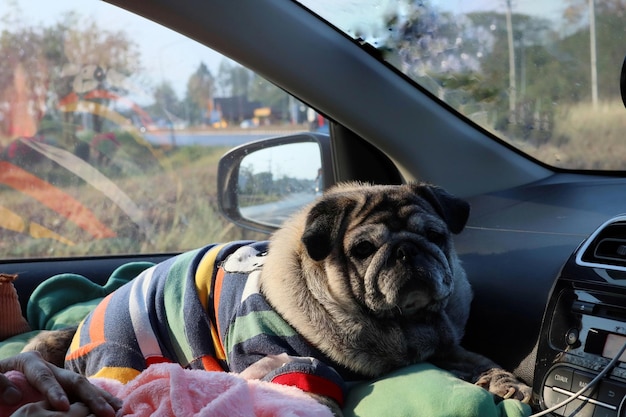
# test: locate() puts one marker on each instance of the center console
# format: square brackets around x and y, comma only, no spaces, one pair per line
[584,327]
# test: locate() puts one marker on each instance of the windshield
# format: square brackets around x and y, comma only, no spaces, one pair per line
[542,75]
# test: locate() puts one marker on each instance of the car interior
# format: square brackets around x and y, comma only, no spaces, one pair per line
[545,245]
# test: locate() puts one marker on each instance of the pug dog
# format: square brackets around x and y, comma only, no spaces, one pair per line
[363,281]
[369,274]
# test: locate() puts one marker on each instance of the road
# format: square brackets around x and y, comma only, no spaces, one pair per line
[277,212]
[274,213]
[214,138]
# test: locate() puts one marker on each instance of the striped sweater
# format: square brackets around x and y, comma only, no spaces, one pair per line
[202,310]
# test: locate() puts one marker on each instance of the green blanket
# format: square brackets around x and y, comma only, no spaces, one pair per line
[423,390]
[419,390]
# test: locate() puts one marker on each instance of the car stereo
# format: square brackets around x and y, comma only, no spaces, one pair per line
[584,328]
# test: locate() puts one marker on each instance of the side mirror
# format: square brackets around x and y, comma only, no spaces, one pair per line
[262,183]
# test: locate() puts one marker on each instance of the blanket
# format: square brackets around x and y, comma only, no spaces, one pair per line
[421,389]
[427,391]
[165,390]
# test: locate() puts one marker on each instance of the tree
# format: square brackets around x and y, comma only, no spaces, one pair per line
[223,81]
[576,11]
[45,64]
[609,28]
[240,81]
[166,102]
[268,94]
[200,93]
[609,43]
[233,80]
[91,44]
[98,59]
[466,60]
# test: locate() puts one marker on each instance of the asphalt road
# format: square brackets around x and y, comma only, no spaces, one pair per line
[275,213]
[214,138]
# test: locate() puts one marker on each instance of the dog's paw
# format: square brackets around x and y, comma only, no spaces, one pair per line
[52,344]
[330,403]
[261,368]
[504,384]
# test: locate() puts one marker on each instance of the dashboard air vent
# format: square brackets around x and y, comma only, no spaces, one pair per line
[606,247]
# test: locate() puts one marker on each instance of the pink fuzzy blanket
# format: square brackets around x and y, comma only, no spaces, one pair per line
[169,390]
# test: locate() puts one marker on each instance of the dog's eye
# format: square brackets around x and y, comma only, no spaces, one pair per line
[436,237]
[363,249]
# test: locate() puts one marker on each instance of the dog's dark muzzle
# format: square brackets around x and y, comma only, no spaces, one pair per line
[424,278]
[405,252]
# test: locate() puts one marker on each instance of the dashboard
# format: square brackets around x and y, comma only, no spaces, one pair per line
[580,355]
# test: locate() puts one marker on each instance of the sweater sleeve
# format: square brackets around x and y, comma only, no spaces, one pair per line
[312,376]
[252,330]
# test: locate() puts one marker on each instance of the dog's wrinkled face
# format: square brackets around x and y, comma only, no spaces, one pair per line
[398,264]
[391,243]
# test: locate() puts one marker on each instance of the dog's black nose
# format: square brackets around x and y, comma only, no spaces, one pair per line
[405,252]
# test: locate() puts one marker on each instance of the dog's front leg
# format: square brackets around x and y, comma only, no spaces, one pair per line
[482,371]
[267,365]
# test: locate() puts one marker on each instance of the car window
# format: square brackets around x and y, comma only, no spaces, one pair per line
[111,128]
[541,75]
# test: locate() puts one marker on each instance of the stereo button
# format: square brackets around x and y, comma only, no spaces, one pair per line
[611,392]
[604,412]
[579,408]
[552,398]
[582,307]
[580,381]
[560,377]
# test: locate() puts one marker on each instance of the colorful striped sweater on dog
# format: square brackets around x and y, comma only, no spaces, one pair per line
[203,310]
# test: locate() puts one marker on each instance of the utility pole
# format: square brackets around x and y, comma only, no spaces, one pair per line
[512,92]
[592,47]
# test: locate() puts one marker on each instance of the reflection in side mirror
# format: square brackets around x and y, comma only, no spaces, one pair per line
[262,183]
[275,182]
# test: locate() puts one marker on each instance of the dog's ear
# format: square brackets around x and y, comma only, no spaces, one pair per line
[323,225]
[453,210]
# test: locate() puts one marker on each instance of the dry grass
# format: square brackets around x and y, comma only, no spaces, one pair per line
[179,204]
[587,138]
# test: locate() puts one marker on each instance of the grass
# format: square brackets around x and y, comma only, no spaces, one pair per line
[179,204]
[587,138]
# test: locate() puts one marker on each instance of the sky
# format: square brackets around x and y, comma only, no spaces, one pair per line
[299,160]
[166,55]
[358,14]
